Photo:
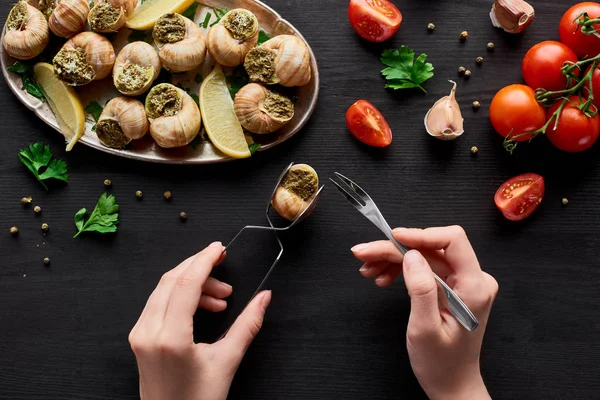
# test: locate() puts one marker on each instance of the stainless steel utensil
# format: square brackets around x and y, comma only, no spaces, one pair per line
[365,204]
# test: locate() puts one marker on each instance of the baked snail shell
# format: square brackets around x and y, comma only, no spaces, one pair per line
[27,32]
[233,37]
[136,67]
[122,120]
[296,191]
[173,114]
[283,60]
[181,43]
[110,15]
[69,17]
[261,110]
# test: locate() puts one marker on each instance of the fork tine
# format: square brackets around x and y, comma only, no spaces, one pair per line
[354,186]
[347,195]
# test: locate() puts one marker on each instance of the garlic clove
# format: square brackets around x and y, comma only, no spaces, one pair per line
[514,16]
[296,192]
[444,120]
[27,33]
[261,110]
[123,119]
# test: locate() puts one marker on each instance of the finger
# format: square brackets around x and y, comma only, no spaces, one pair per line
[422,289]
[452,239]
[384,250]
[188,289]
[387,277]
[210,303]
[374,269]
[247,325]
[215,288]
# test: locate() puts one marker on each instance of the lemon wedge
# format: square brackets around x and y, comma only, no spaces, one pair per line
[146,14]
[63,102]
[220,121]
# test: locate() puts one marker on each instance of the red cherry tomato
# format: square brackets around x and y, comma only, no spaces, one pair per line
[368,125]
[542,65]
[518,197]
[575,131]
[571,34]
[514,110]
[595,85]
[374,20]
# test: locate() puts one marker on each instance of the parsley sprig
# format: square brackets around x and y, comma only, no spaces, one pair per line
[403,70]
[37,157]
[104,218]
[25,71]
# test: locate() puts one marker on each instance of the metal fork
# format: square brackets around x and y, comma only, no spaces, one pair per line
[365,204]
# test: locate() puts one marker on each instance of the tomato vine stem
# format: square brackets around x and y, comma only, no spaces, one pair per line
[587,24]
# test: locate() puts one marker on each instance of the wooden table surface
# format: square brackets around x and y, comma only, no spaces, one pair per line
[329,333]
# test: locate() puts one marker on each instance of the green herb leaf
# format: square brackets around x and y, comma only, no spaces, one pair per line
[219,13]
[28,83]
[141,36]
[20,67]
[104,218]
[206,20]
[196,99]
[253,148]
[91,4]
[404,72]
[191,11]
[37,157]
[94,109]
[237,80]
[262,37]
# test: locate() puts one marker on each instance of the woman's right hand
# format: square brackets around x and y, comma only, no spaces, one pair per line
[444,356]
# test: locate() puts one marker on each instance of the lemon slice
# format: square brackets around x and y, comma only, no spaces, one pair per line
[63,102]
[220,121]
[146,14]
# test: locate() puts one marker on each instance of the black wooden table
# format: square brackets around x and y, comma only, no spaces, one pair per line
[329,333]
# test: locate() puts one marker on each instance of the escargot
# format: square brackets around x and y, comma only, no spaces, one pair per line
[261,110]
[123,119]
[27,32]
[181,44]
[136,67]
[233,37]
[296,191]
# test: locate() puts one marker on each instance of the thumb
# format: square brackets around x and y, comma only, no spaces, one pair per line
[248,324]
[422,289]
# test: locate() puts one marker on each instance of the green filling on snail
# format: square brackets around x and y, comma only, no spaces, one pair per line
[17,16]
[103,17]
[260,65]
[170,28]
[72,67]
[133,77]
[301,181]
[46,7]
[278,106]
[163,101]
[241,23]
[110,134]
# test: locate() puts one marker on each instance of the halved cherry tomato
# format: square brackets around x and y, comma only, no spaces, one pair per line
[575,131]
[518,197]
[514,110]
[374,20]
[570,31]
[368,125]
[542,65]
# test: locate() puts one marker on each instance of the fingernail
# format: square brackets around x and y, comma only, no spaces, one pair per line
[364,268]
[397,230]
[227,285]
[359,247]
[216,245]
[380,279]
[266,298]
[413,259]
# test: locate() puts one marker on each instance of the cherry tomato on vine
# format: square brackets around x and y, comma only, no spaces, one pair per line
[575,131]
[542,65]
[368,125]
[514,110]
[374,20]
[519,197]
[595,86]
[571,34]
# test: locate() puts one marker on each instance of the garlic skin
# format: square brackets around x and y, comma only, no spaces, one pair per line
[233,37]
[27,32]
[122,120]
[444,120]
[84,58]
[110,15]
[260,110]
[136,67]
[181,43]
[174,116]
[69,17]
[296,191]
[283,60]
[514,16]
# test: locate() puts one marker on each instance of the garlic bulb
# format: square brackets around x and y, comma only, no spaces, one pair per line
[261,110]
[173,114]
[513,16]
[444,120]
[136,67]
[86,57]
[284,59]
[296,191]
[26,32]
[181,44]
[110,15]
[69,17]
[233,37]
[122,120]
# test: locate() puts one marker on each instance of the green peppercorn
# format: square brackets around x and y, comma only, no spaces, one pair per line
[46,261]
[430,27]
[476,105]
[461,70]
[474,150]
[26,201]
[107,183]
[490,46]
[37,209]
[167,195]
[139,194]
[565,201]
[14,230]
[479,60]
[467,74]
[464,35]
[45,227]
[183,216]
